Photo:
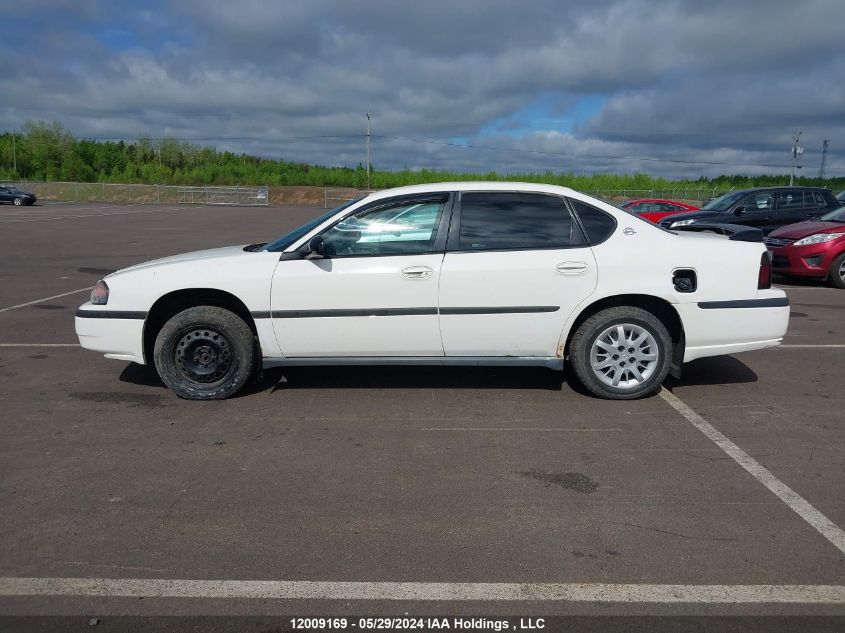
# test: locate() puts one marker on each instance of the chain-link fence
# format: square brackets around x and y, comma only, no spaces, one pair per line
[149,194]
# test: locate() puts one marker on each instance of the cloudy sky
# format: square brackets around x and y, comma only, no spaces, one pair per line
[605,85]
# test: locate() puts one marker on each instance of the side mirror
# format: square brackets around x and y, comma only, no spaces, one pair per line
[315,248]
[740,211]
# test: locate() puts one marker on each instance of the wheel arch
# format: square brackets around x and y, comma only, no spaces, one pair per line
[659,307]
[174,302]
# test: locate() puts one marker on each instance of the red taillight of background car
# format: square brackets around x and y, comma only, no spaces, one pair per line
[764,277]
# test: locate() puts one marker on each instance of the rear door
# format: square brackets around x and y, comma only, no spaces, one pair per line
[793,206]
[516,266]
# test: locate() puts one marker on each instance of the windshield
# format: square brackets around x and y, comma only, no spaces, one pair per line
[834,216]
[283,242]
[722,203]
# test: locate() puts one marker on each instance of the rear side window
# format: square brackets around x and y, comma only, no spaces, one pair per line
[491,221]
[597,224]
[791,200]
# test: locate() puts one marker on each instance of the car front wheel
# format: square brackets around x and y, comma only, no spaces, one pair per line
[837,272]
[18,202]
[621,353]
[205,353]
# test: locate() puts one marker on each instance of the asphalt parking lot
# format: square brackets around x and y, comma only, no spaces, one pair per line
[340,485]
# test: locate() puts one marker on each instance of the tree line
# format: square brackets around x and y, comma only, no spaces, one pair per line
[48,151]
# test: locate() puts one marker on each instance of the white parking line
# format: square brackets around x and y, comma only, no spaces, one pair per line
[32,303]
[39,344]
[439,591]
[501,428]
[796,502]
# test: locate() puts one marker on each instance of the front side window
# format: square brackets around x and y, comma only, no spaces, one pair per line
[504,221]
[397,229]
[759,202]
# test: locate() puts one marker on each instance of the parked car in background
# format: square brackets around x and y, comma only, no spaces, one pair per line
[9,193]
[765,208]
[475,273]
[841,197]
[655,209]
[811,249]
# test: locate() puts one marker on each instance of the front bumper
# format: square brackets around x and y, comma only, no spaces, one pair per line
[117,335]
[803,261]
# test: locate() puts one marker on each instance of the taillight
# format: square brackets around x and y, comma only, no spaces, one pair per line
[764,277]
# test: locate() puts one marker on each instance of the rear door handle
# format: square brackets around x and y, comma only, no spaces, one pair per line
[571,268]
[417,272]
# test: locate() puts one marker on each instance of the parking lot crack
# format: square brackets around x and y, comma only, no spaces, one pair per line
[685,536]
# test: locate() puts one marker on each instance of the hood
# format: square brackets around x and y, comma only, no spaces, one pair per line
[710,216]
[803,229]
[212,253]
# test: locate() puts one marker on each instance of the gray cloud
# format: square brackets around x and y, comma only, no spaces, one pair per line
[717,81]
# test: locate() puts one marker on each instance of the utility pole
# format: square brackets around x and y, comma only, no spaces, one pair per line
[368,151]
[14,155]
[824,157]
[797,153]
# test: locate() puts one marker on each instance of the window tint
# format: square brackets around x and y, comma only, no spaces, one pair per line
[515,220]
[409,227]
[791,200]
[818,200]
[598,224]
[758,201]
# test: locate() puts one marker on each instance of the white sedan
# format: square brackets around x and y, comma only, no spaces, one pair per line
[476,273]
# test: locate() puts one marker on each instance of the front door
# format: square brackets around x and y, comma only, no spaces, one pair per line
[515,268]
[375,291]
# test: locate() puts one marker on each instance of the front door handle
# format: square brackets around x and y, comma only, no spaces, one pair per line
[571,268]
[417,272]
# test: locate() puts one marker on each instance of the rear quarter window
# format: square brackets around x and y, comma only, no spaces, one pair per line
[597,224]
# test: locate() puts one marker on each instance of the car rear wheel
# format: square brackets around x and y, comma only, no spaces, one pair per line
[621,353]
[837,272]
[205,353]
[18,202]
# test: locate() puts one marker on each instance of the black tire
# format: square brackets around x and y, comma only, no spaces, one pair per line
[581,346]
[205,353]
[18,202]
[836,277]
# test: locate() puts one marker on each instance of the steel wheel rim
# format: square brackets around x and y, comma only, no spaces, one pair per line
[203,355]
[624,356]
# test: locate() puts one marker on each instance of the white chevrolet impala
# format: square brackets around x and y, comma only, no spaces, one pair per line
[476,273]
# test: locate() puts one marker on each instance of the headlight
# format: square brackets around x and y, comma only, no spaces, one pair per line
[818,238]
[100,293]
[681,223]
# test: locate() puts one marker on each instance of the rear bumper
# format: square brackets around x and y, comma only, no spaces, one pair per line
[115,337]
[728,327]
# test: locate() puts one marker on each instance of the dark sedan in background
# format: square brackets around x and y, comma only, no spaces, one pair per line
[9,193]
[764,208]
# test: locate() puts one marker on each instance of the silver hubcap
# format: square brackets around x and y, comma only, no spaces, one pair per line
[624,356]
[842,270]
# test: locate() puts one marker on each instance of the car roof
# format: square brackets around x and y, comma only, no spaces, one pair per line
[474,185]
[779,188]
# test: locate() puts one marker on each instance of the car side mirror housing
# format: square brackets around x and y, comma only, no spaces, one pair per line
[740,211]
[315,248]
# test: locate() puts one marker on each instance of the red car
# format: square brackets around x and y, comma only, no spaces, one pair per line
[656,209]
[811,249]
